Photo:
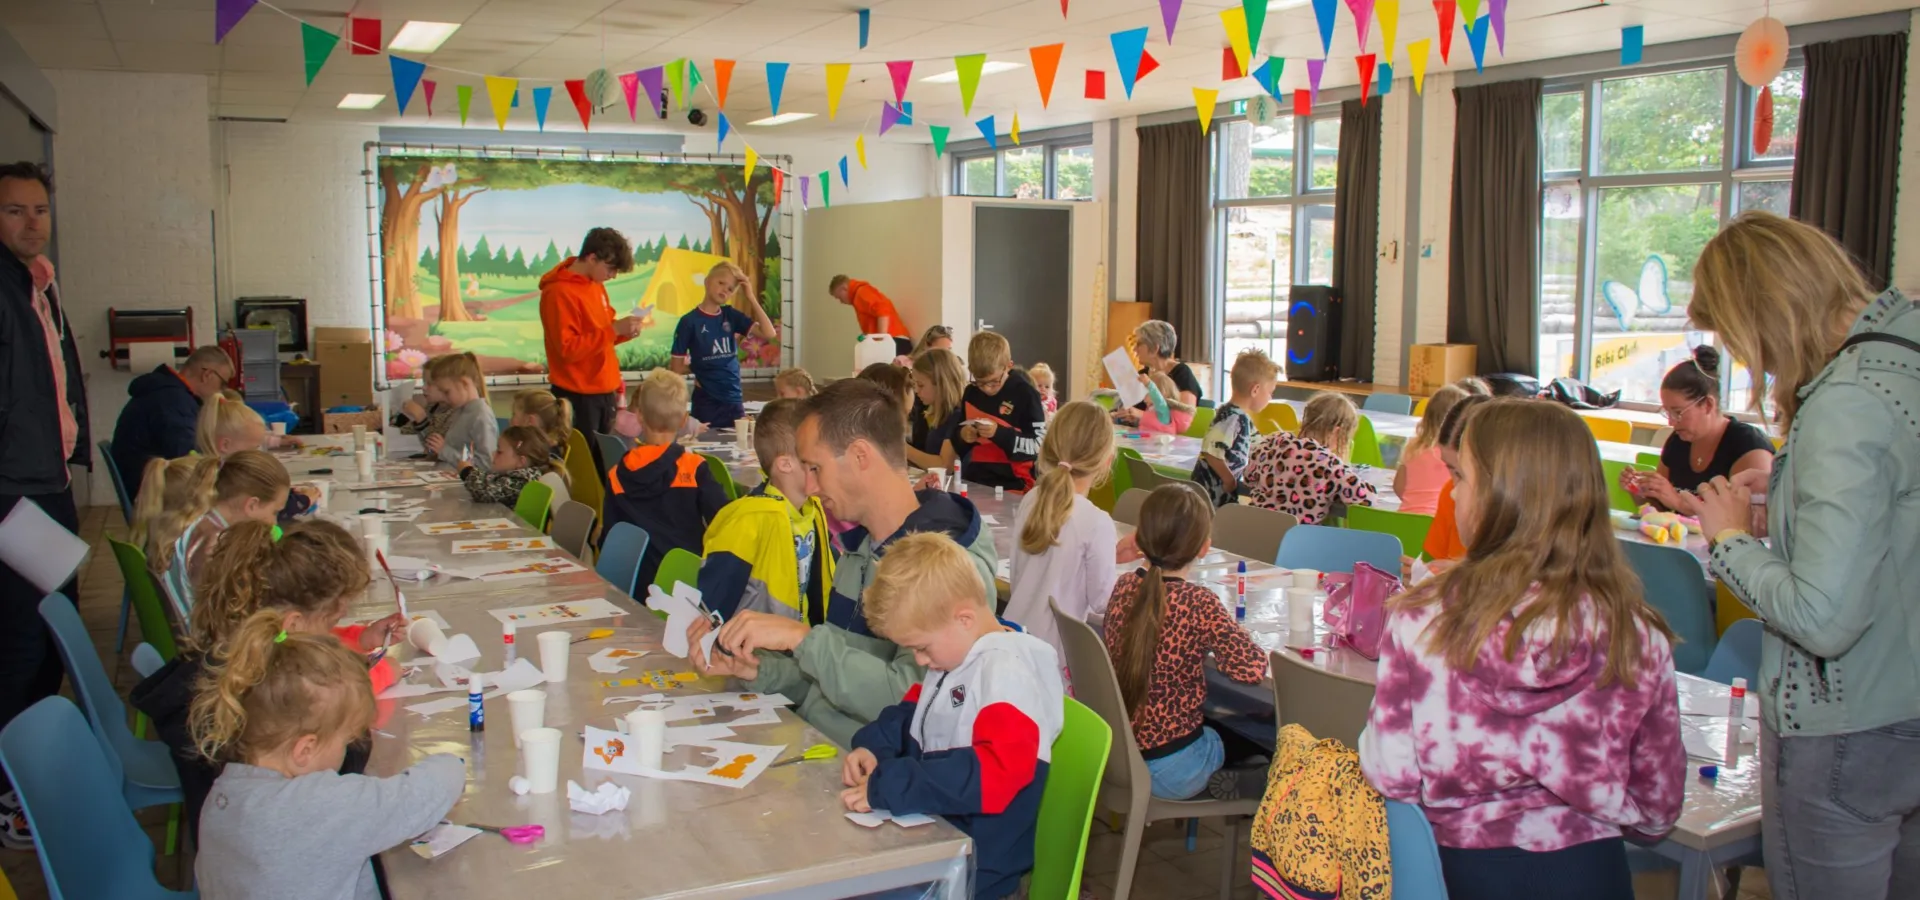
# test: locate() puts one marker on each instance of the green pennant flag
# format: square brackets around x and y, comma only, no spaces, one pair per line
[826,189]
[693,76]
[677,78]
[969,68]
[464,92]
[1256,19]
[939,133]
[318,45]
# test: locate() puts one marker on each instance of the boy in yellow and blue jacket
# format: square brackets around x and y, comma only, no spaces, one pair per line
[770,551]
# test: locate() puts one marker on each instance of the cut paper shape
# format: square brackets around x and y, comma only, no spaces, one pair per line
[1147,65]
[723,763]
[1125,377]
[500,545]
[677,82]
[1760,53]
[1365,64]
[630,86]
[1302,102]
[724,127]
[880,817]
[1362,11]
[228,14]
[889,117]
[520,676]
[1014,132]
[1096,84]
[441,839]
[722,79]
[316,45]
[1383,80]
[1633,40]
[365,33]
[901,70]
[1469,10]
[836,84]
[1170,16]
[426,89]
[1323,16]
[608,661]
[435,707]
[1230,65]
[1477,42]
[38,548]
[463,97]
[826,191]
[986,130]
[608,797]
[1256,12]
[1127,47]
[1444,11]
[1269,75]
[806,190]
[939,133]
[1417,56]
[1234,20]
[1497,12]
[866,21]
[753,161]
[1763,121]
[968,68]
[1315,68]
[403,691]
[776,83]
[566,613]
[1046,64]
[1204,100]
[577,92]
[541,97]
[459,649]
[860,149]
[467,526]
[682,608]
[1387,13]
[651,80]
[843,173]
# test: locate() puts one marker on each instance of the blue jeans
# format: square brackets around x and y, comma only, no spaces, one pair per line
[1841,813]
[1184,774]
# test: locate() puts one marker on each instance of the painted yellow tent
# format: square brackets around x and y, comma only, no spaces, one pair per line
[679,281]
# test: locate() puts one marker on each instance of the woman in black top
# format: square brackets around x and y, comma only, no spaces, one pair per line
[1706,443]
[1154,343]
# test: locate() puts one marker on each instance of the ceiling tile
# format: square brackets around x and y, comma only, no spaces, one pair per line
[53,51]
[79,20]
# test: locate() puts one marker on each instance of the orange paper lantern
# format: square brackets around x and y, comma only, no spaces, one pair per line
[1761,52]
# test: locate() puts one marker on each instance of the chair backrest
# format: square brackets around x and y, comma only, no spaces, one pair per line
[92,686]
[1250,531]
[1328,705]
[1619,431]
[154,627]
[146,661]
[1329,549]
[559,484]
[88,841]
[1415,854]
[678,566]
[1127,508]
[1420,406]
[1617,496]
[1410,528]
[612,449]
[1106,401]
[1677,587]
[584,479]
[1067,802]
[572,527]
[1095,685]
[717,467]
[1391,403]
[502,423]
[1141,476]
[536,501]
[1202,420]
[1119,480]
[1366,445]
[1737,654]
[1648,461]
[620,554]
[119,484]
[1277,416]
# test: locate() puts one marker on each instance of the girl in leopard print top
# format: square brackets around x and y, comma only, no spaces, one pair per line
[1304,474]
[521,457]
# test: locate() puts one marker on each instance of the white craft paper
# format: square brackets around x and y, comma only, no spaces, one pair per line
[558,613]
[609,797]
[517,677]
[459,649]
[880,816]
[438,476]
[694,734]
[38,548]
[609,661]
[410,568]
[403,691]
[731,765]
[466,526]
[683,609]
[1126,381]
[503,545]
[441,839]
[379,485]
[435,707]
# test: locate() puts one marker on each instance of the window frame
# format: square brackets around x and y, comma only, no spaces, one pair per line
[1048,148]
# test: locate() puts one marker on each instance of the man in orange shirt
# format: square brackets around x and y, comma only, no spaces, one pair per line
[581,328]
[875,311]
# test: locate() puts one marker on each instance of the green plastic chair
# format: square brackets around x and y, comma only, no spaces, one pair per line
[1649,462]
[1119,480]
[723,475]
[1066,804]
[678,566]
[1617,496]
[1366,445]
[1202,420]
[1106,401]
[145,593]
[1410,528]
[536,501]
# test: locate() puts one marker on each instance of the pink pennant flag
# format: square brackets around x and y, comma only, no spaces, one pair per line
[426,87]
[806,191]
[901,70]
[1362,19]
[889,117]
[1314,68]
[1497,10]
[630,84]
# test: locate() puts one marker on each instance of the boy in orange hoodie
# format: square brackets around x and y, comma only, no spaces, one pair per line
[581,329]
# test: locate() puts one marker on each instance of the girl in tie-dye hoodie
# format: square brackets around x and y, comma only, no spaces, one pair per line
[1526,697]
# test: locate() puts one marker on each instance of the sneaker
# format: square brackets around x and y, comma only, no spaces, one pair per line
[14,833]
[1235,782]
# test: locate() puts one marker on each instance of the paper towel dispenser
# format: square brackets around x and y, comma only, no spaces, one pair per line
[138,339]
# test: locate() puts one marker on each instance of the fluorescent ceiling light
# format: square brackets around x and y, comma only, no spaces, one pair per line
[361,101]
[991,68]
[782,118]
[1285,4]
[426,37]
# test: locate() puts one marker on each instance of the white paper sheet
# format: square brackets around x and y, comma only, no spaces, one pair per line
[609,661]
[1126,381]
[608,797]
[510,571]
[504,545]
[41,550]
[438,476]
[880,817]
[435,707]
[442,839]
[683,609]
[465,526]
[558,613]
[726,763]
[517,677]
[403,691]
[378,485]
[459,649]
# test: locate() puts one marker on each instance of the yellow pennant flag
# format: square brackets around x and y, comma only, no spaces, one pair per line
[836,82]
[1204,99]
[860,149]
[753,160]
[1016,129]
[1417,54]
[1388,12]
[1235,20]
[500,93]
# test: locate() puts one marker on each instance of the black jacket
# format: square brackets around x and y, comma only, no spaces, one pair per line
[670,494]
[30,457]
[158,420]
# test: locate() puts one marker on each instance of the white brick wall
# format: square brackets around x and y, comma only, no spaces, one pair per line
[133,217]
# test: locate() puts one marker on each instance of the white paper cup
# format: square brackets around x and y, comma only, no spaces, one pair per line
[1306,578]
[371,525]
[743,431]
[540,754]
[555,647]
[1300,617]
[278,428]
[325,490]
[378,544]
[526,710]
[648,728]
[425,635]
[359,434]
[363,464]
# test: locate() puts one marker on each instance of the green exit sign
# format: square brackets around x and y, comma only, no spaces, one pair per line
[1239,107]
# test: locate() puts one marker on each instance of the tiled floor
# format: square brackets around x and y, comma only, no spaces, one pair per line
[1166,871]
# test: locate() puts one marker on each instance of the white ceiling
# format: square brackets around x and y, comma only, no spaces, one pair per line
[258,71]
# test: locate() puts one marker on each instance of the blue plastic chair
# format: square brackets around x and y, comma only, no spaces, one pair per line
[612,450]
[88,841]
[145,767]
[1329,549]
[1416,857]
[146,660]
[1737,655]
[1390,403]
[620,555]
[126,509]
[502,422]
[1677,587]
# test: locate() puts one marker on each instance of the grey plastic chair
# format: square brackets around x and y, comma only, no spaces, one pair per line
[1251,531]
[1144,476]
[1126,786]
[1389,403]
[573,528]
[1127,508]
[1325,704]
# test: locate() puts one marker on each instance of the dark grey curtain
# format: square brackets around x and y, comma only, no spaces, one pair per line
[1849,146]
[1171,246]
[1356,234]
[1492,274]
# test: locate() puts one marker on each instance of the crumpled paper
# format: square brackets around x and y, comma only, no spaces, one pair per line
[600,801]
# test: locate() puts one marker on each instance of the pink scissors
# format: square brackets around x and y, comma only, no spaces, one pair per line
[515,834]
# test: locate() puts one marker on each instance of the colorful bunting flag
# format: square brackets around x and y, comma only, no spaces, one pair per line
[843,172]
[826,191]
[1204,100]
[779,184]
[1127,47]
[500,93]
[753,161]
[1417,55]
[366,35]
[541,97]
[1323,12]
[677,80]
[1302,102]
[860,149]
[1477,42]
[1230,65]
[1314,69]
[577,92]
[317,45]
[516,98]
[866,21]
[836,83]
[1046,64]
[1147,65]
[1365,64]
[650,82]
[906,114]
[986,130]
[630,85]
[406,76]
[1444,10]
[1234,19]
[1497,10]
[1096,84]
[722,79]
[1383,82]
[1256,15]
[776,83]
[1014,132]
[889,117]
[426,87]
[1063,9]
[806,191]
[1170,16]
[1388,13]
[968,68]
[693,78]
[1633,40]
[724,128]
[939,133]
[1469,11]
[1362,11]
[1269,75]
[463,95]
[902,72]
[227,14]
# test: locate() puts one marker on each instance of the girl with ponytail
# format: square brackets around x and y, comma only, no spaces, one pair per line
[249,486]
[279,714]
[553,416]
[1066,548]
[1160,629]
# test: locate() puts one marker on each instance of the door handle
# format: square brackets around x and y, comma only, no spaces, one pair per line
[983,326]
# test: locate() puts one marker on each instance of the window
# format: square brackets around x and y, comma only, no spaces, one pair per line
[1035,170]
[1638,172]
[1273,225]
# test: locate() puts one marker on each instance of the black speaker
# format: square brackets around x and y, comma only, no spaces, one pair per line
[1313,333]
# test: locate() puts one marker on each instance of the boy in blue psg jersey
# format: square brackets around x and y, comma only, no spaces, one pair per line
[704,344]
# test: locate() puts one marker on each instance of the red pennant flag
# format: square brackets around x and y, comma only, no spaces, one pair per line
[366,36]
[1063,9]
[1302,102]
[577,89]
[1229,64]
[1147,64]
[1096,84]
[1366,62]
[426,88]
[779,181]
[722,77]
[1445,10]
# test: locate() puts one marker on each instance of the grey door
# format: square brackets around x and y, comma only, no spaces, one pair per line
[1021,281]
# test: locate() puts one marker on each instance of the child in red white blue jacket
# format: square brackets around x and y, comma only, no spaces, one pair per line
[972,741]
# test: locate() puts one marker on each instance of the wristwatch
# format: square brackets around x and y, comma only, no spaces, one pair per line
[1724,535]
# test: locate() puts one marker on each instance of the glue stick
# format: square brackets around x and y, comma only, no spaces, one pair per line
[959,486]
[476,710]
[1736,716]
[1240,593]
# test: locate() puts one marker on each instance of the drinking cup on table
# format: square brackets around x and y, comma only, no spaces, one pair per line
[278,428]
[555,648]
[425,635]
[1306,578]
[540,754]
[371,525]
[648,728]
[1300,616]
[526,710]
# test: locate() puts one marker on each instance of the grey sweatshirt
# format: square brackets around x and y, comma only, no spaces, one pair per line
[472,426]
[264,836]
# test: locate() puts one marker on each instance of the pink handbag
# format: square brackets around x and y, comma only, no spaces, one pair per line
[1356,610]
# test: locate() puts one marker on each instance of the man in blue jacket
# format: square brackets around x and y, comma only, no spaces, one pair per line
[163,408]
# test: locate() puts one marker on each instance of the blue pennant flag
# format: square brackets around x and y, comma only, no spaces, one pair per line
[843,171]
[1127,47]
[406,76]
[866,19]
[1323,11]
[1383,85]
[725,127]
[541,97]
[1477,40]
[776,82]
[986,130]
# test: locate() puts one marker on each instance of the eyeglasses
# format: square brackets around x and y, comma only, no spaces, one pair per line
[1675,415]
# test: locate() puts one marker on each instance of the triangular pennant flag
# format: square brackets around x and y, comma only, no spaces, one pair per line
[1063,9]
[1302,102]
[1170,16]
[826,191]
[693,76]
[1147,65]
[650,81]
[1633,41]
[725,127]
[516,98]
[1127,47]
[806,190]
[1230,65]
[1469,11]
[779,184]
[1362,11]
[986,130]
[866,23]
[722,79]
[1014,132]
[1477,42]
[753,160]
[776,83]
[1497,11]
[630,85]
[836,83]
[1315,67]
[1383,80]
[500,92]
[577,92]
[860,149]
[1096,84]
[843,172]
[1443,10]
[317,45]
[426,89]
[463,95]
[1365,64]
[968,68]
[677,80]
[906,114]
[1323,11]
[406,77]
[227,14]
[902,72]
[939,133]
[1234,19]
[1204,100]
[1388,14]
[365,33]
[1256,11]
[889,117]
[1269,75]
[542,96]
[1417,55]
[1046,64]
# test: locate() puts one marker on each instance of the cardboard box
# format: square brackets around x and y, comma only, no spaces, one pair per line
[1432,365]
[342,423]
[345,356]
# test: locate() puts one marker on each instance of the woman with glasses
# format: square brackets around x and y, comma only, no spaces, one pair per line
[1706,443]
[1153,343]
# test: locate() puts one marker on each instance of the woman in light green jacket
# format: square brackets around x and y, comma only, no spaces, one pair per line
[1838,582]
